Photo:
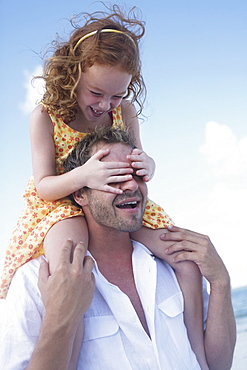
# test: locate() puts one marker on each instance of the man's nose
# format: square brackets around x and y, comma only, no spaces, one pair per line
[130,185]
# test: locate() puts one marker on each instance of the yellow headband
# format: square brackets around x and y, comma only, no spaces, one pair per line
[101,31]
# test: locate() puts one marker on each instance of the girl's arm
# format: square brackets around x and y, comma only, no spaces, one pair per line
[94,174]
[144,165]
[49,186]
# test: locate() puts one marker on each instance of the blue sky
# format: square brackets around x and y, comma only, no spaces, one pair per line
[195,66]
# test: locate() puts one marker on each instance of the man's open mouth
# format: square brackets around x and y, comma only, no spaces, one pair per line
[127,205]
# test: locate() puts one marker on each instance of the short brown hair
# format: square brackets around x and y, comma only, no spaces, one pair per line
[108,135]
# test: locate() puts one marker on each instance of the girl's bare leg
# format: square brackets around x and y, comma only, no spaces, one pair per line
[74,228]
[190,281]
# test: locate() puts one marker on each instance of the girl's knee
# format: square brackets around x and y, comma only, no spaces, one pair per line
[74,228]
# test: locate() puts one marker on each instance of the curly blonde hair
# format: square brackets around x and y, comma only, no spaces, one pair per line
[63,70]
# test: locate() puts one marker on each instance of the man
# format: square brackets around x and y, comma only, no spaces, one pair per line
[130,310]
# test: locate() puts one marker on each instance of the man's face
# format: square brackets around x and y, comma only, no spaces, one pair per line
[122,212]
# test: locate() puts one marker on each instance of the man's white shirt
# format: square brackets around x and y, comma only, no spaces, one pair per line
[114,337]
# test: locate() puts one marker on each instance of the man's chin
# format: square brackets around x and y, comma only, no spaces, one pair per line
[131,227]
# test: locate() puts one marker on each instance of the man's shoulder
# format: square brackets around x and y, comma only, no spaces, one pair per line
[25,280]
[31,267]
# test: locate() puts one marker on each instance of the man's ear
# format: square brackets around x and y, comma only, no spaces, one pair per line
[80,197]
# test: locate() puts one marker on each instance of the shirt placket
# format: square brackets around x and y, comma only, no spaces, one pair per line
[145,273]
[128,321]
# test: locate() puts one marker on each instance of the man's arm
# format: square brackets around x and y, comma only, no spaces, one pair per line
[220,333]
[66,295]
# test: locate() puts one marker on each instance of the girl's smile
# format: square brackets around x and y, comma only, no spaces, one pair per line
[100,90]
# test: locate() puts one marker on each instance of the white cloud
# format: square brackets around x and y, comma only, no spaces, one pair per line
[34,90]
[220,213]
[224,152]
[227,204]
[226,200]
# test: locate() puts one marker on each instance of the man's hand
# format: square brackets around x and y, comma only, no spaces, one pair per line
[188,245]
[68,292]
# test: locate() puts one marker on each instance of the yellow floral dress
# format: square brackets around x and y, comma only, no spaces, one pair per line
[39,216]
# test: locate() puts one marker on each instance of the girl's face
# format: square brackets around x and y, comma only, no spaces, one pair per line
[100,90]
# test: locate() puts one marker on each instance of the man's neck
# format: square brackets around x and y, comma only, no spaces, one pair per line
[103,243]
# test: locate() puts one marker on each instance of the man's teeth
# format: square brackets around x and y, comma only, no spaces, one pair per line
[127,205]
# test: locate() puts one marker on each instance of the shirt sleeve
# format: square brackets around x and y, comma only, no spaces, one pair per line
[21,319]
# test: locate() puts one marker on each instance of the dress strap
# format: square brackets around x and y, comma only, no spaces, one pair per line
[117,120]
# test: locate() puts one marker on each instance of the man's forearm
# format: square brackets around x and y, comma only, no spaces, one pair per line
[53,350]
[220,335]
[67,295]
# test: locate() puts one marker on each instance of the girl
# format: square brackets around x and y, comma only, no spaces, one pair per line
[88,81]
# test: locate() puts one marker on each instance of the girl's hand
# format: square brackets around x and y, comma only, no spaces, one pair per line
[143,163]
[99,174]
